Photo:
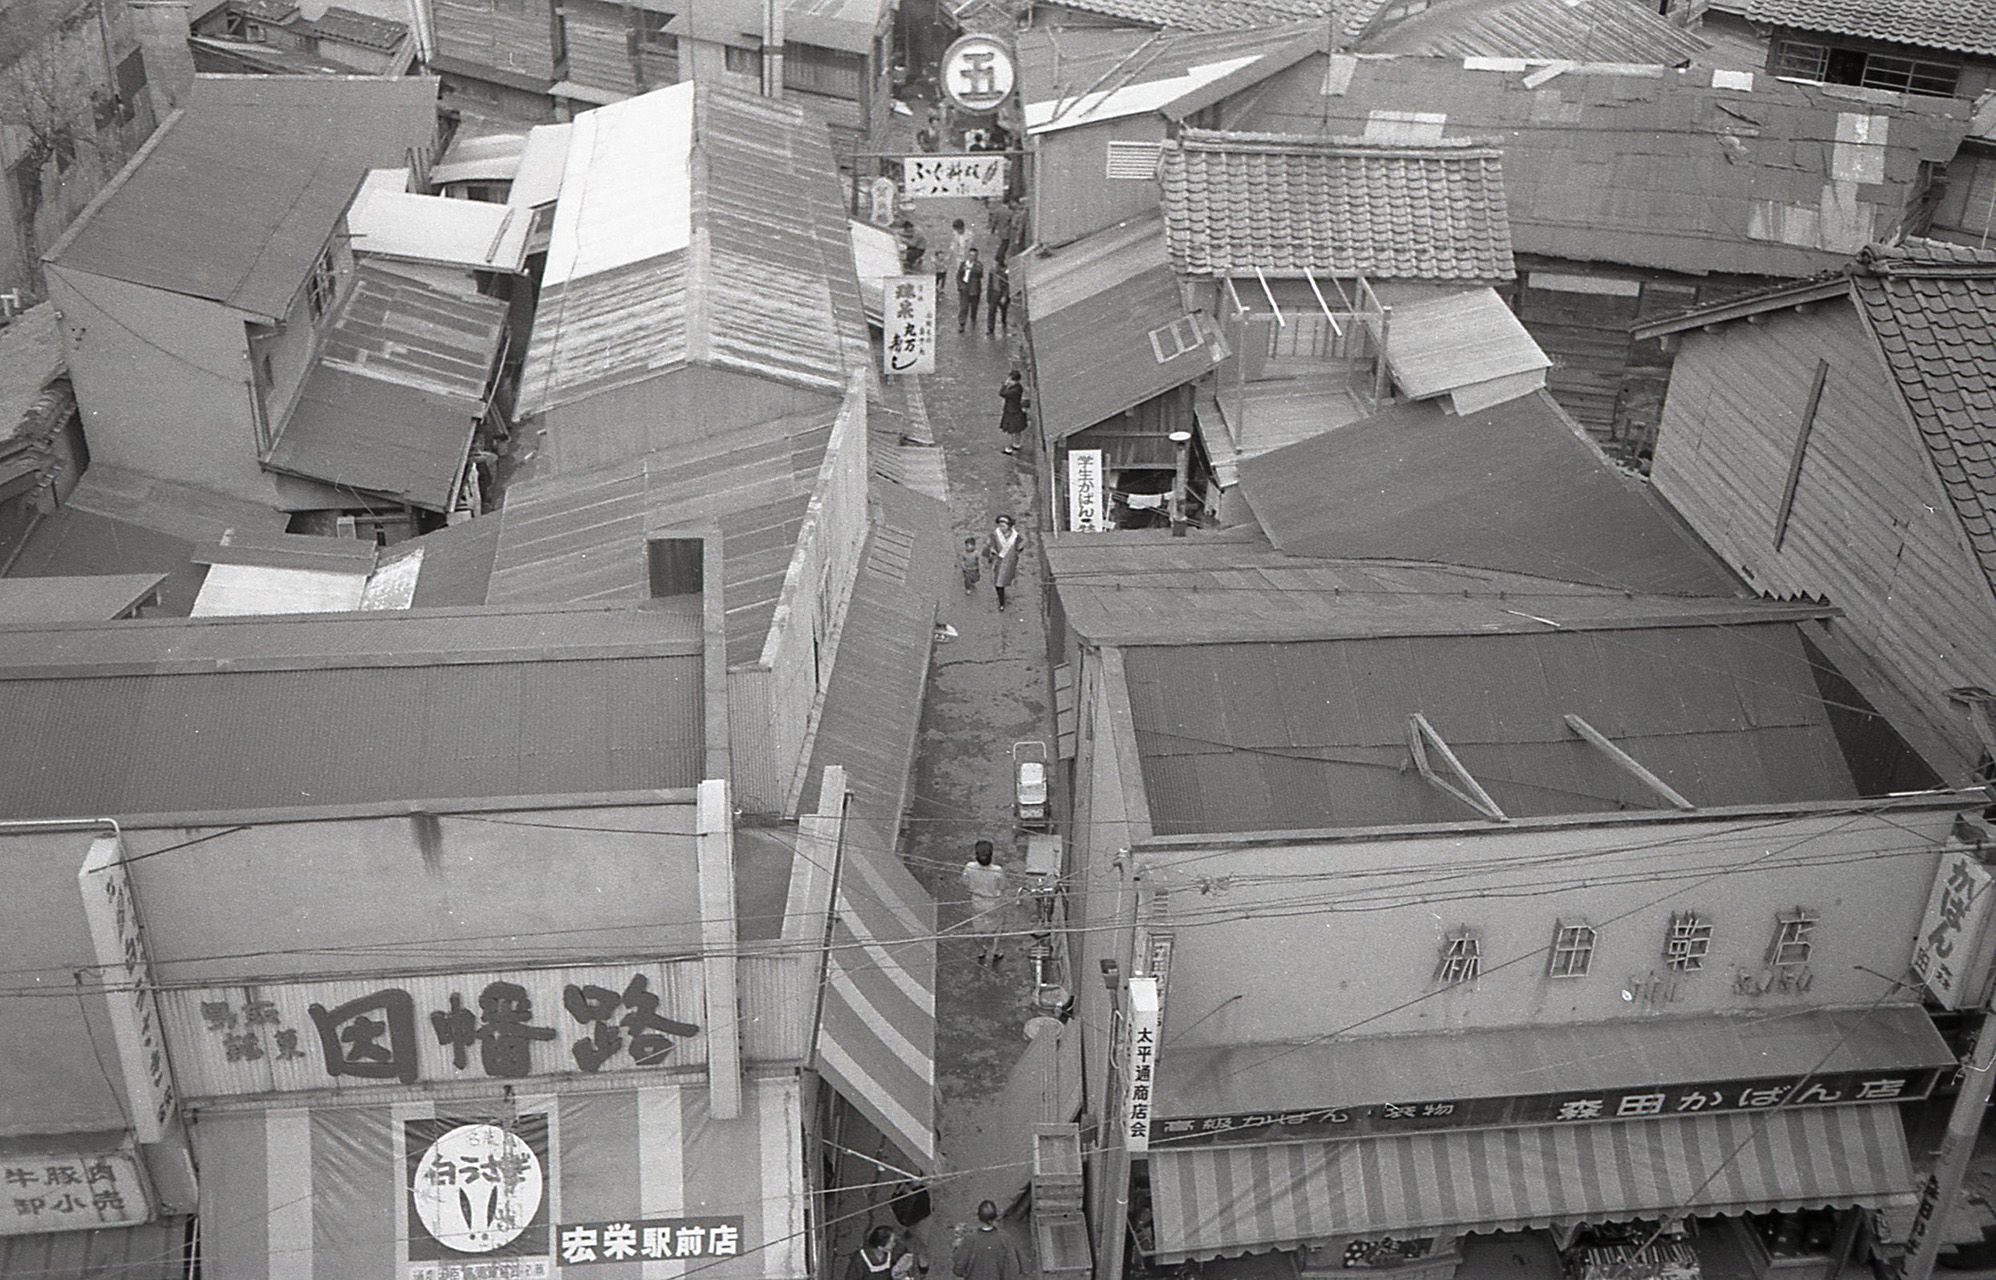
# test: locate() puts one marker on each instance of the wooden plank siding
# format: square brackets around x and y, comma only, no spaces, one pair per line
[600,46]
[518,38]
[1870,528]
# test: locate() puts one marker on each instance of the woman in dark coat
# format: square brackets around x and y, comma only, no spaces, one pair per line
[1013,421]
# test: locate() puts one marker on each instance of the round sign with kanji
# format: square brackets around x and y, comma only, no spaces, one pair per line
[477,1188]
[978,73]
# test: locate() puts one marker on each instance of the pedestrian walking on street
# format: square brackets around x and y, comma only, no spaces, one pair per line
[986,1253]
[998,306]
[930,136]
[990,886]
[972,565]
[877,1261]
[914,246]
[1013,420]
[1002,550]
[969,289]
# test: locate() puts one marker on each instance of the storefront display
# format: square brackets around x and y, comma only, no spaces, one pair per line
[1632,1251]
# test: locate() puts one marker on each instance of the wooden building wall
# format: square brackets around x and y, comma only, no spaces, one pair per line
[1870,529]
[518,37]
[1075,195]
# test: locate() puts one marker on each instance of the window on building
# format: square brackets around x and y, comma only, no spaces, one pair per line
[131,83]
[1462,957]
[1802,59]
[1170,341]
[1794,938]
[1572,949]
[1134,161]
[322,288]
[744,62]
[1909,75]
[1688,942]
[653,36]
[815,69]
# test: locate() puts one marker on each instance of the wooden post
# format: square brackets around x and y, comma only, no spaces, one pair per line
[1943,1187]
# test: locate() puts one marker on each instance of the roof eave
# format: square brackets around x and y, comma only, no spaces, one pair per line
[1780,298]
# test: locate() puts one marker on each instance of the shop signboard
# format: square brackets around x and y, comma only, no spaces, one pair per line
[978,73]
[477,1201]
[71,1191]
[500,1025]
[649,1239]
[1087,498]
[1140,1062]
[115,934]
[1951,951]
[966,177]
[908,324]
[1835,1088]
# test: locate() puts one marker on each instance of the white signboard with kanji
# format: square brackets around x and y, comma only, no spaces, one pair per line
[908,324]
[978,72]
[972,177]
[66,1191]
[351,1033]
[1949,952]
[1087,499]
[1141,1064]
[113,917]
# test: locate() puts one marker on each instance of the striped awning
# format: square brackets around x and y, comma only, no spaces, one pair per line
[877,1037]
[1219,1201]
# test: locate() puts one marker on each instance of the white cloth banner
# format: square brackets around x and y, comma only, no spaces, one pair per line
[1087,500]
[939,177]
[908,325]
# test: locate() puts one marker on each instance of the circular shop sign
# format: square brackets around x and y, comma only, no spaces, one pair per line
[478,1188]
[978,73]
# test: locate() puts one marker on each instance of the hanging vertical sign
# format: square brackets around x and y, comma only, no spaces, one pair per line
[978,73]
[1087,500]
[1141,1064]
[908,324]
[112,914]
[1949,953]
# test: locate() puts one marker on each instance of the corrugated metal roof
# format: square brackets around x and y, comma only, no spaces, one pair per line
[457,563]
[1932,309]
[1087,75]
[484,157]
[1965,26]
[1554,30]
[466,233]
[390,406]
[235,196]
[1515,488]
[734,255]
[1660,168]
[873,701]
[1438,345]
[1144,587]
[168,716]
[1091,310]
[581,537]
[1227,15]
[30,359]
[1313,734]
[1237,202]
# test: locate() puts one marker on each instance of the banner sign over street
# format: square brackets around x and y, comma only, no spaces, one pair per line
[969,177]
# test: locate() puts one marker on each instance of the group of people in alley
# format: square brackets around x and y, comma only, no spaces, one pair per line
[978,1252]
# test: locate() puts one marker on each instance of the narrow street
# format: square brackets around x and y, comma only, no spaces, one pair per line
[989,689]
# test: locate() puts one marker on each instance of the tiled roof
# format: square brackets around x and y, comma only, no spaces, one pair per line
[1571,30]
[1237,202]
[234,198]
[1697,171]
[1229,15]
[362,29]
[1966,26]
[1932,308]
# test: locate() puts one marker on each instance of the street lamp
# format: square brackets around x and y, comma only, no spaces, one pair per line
[1183,441]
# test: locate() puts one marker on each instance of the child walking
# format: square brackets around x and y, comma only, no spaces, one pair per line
[972,565]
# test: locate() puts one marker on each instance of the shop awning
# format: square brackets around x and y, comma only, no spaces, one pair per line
[1220,1201]
[156,1250]
[324,1193]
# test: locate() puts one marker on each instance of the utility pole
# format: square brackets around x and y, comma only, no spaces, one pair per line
[1942,1190]
[1183,440]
